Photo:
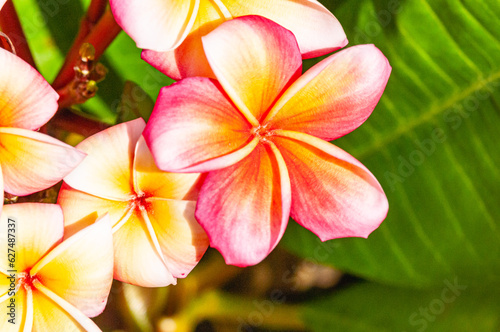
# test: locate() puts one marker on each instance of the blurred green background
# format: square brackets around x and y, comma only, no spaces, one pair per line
[432,142]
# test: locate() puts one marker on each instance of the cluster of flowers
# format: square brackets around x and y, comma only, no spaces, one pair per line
[231,151]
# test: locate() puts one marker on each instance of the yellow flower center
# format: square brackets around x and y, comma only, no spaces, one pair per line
[27,280]
[262,132]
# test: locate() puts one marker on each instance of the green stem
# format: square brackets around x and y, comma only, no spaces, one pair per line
[234,311]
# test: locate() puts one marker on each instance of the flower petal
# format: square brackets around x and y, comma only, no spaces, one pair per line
[107,170]
[37,228]
[26,99]
[1,189]
[23,315]
[334,195]
[81,209]
[244,208]
[2,2]
[21,149]
[193,123]
[318,32]
[189,60]
[335,96]
[182,240]
[156,24]
[152,181]
[52,313]
[265,60]
[80,269]
[137,258]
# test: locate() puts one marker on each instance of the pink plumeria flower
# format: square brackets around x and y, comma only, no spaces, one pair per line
[171,30]
[262,132]
[156,237]
[48,284]
[29,161]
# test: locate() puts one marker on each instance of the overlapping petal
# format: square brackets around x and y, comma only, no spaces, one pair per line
[156,24]
[52,313]
[195,128]
[336,96]
[2,2]
[182,240]
[334,195]
[265,61]
[138,258]
[244,208]
[86,287]
[148,178]
[23,313]
[37,229]
[81,209]
[32,161]
[189,59]
[318,32]
[106,172]
[26,99]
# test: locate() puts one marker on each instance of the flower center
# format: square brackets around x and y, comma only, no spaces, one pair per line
[139,201]
[26,279]
[262,132]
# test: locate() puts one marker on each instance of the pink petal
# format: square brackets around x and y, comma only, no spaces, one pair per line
[156,24]
[80,269]
[244,208]
[26,99]
[38,228]
[336,96]
[107,170]
[318,32]
[189,60]
[264,62]
[32,161]
[153,182]
[193,124]
[181,238]
[333,194]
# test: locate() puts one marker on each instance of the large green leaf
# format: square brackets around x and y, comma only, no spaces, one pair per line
[431,142]
[374,308]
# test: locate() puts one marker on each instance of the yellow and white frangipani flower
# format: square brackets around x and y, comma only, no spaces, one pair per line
[55,285]
[29,161]
[156,237]
[170,31]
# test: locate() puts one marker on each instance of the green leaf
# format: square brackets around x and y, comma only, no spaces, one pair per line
[134,103]
[431,142]
[374,308]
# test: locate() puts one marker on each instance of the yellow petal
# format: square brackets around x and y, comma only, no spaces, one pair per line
[51,313]
[80,269]
[21,318]
[34,228]
[149,179]
[182,240]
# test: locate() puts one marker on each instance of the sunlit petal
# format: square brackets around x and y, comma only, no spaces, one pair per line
[182,240]
[193,122]
[336,96]
[106,172]
[52,313]
[318,32]
[156,24]
[26,99]
[244,208]
[81,209]
[80,269]
[137,260]
[154,182]
[265,60]
[22,149]
[334,195]
[36,229]
[188,60]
